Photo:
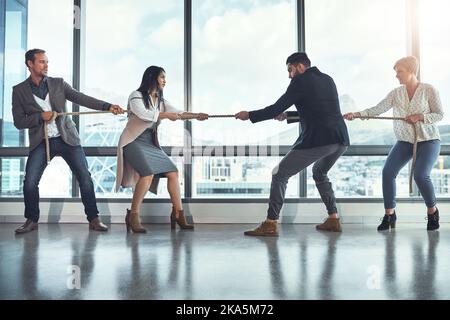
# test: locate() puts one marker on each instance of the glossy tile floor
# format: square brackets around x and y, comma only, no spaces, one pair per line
[216,261]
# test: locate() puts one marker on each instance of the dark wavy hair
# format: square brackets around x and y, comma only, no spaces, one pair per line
[30,55]
[299,57]
[149,83]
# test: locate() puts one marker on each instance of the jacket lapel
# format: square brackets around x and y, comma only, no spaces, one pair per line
[26,88]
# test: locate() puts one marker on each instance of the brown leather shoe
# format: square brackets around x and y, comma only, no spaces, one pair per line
[265,229]
[97,225]
[28,226]
[331,224]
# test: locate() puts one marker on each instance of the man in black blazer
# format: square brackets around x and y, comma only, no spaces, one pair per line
[33,103]
[324,138]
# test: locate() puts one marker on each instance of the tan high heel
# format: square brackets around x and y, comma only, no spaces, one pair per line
[181,220]
[132,222]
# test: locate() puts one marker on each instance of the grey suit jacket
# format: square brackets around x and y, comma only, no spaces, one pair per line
[27,113]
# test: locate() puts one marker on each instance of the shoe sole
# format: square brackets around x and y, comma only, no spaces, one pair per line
[433,227]
[99,230]
[260,235]
[22,232]
[329,230]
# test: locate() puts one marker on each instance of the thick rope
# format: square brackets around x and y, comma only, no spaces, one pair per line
[195,115]
[47,143]
[413,165]
[57,114]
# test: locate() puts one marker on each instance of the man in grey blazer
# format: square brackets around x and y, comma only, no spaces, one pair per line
[33,103]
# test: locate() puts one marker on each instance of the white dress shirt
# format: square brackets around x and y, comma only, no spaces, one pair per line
[45,105]
[137,106]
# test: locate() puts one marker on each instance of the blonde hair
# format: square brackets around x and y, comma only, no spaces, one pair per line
[410,63]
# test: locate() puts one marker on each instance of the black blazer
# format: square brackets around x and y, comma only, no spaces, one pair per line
[316,99]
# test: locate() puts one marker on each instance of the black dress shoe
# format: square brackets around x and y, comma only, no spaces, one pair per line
[97,225]
[28,226]
[433,220]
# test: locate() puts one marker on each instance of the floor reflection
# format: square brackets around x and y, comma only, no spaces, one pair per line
[300,264]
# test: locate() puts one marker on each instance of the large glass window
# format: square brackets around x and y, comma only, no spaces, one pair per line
[236,177]
[50,27]
[121,40]
[12,173]
[435,54]
[238,63]
[25,29]
[239,49]
[440,176]
[357,43]
[13,49]
[13,38]
[359,176]
[103,171]
[57,174]
[56,180]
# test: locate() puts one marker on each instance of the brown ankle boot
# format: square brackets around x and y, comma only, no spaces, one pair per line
[133,223]
[181,220]
[330,224]
[265,229]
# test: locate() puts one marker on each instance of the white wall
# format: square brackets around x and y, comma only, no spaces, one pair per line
[304,212]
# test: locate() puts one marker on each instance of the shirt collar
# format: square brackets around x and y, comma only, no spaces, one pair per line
[43,82]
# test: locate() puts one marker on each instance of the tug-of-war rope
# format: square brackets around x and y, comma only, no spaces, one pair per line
[191,116]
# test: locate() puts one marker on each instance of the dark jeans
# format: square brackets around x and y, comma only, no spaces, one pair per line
[36,164]
[400,154]
[294,162]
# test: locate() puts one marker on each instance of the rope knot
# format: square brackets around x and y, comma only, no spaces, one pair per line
[54,116]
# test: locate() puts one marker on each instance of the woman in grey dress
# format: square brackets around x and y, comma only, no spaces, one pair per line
[140,159]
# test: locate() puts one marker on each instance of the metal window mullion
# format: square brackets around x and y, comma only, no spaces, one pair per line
[413,48]
[2,74]
[2,65]
[76,79]
[23,133]
[412,29]
[301,46]
[187,154]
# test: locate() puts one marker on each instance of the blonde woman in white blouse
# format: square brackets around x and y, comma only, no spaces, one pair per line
[419,104]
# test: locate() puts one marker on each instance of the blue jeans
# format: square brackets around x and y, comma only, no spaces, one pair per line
[36,164]
[400,154]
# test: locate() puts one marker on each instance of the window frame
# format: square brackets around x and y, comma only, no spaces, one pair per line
[189,150]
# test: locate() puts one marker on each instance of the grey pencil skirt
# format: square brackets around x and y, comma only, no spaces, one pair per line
[146,158]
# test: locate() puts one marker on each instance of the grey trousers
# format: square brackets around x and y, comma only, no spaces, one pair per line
[294,162]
